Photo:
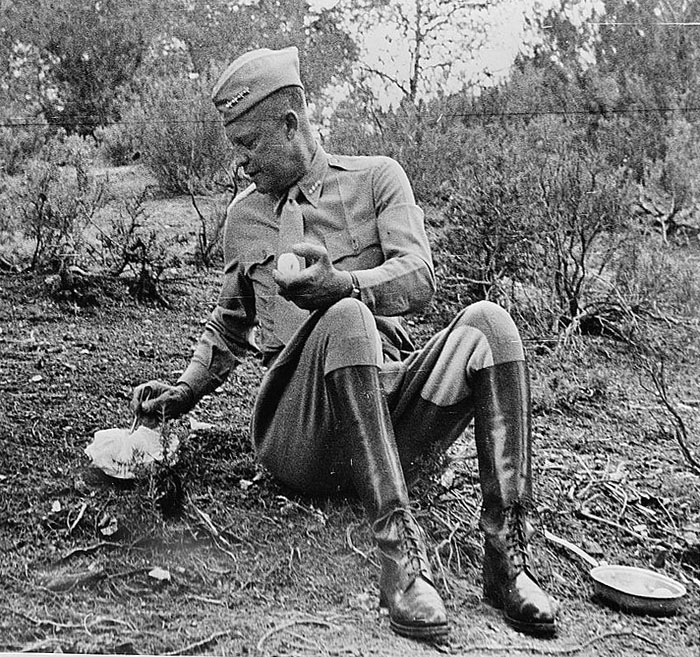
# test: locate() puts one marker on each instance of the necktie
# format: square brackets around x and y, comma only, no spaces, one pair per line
[287,315]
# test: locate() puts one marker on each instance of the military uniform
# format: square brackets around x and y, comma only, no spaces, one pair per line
[347,401]
[363,211]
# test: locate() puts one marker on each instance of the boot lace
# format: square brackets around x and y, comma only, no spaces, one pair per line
[516,538]
[412,543]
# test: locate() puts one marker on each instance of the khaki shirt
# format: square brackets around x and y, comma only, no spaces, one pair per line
[362,209]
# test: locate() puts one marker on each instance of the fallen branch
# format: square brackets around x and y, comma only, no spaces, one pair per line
[203,643]
[89,548]
[42,621]
[108,620]
[43,645]
[67,581]
[584,513]
[211,601]
[564,651]
[219,540]
[287,625]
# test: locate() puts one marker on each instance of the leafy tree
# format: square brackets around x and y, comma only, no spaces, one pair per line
[82,52]
[219,31]
[419,50]
[653,50]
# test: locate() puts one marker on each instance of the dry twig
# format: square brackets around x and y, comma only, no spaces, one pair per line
[89,548]
[658,378]
[68,581]
[42,621]
[287,625]
[356,550]
[203,643]
[583,512]
[74,524]
[204,520]
[564,651]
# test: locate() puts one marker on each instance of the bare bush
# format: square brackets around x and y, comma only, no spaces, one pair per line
[55,201]
[209,238]
[584,206]
[134,247]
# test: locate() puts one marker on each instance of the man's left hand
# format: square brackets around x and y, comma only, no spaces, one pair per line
[319,285]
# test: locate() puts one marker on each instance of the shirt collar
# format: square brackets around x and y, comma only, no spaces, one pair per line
[312,182]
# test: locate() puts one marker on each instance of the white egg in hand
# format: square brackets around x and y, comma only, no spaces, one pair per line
[288,264]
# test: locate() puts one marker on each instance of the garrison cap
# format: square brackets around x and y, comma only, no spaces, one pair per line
[254,76]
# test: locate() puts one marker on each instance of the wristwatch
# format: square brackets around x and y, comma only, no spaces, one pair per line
[355,293]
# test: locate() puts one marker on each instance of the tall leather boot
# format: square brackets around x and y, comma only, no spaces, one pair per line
[504,448]
[363,423]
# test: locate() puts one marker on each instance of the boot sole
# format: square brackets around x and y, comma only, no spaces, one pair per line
[421,632]
[534,629]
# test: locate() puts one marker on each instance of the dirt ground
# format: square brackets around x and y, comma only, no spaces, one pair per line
[243,566]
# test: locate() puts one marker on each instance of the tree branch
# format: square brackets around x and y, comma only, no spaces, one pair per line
[386,76]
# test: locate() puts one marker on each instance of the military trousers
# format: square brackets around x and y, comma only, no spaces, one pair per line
[428,393]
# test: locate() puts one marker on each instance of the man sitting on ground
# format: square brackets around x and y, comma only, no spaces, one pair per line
[323,256]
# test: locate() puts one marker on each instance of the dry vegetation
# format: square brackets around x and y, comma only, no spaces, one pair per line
[241,565]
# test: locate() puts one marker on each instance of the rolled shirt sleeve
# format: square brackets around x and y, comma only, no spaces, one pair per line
[405,281]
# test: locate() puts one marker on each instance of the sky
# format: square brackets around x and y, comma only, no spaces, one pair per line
[467,43]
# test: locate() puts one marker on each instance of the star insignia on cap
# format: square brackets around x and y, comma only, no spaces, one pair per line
[237,98]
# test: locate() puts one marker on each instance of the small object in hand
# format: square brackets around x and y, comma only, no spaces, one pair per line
[288,264]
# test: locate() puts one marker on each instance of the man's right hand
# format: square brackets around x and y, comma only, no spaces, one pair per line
[154,402]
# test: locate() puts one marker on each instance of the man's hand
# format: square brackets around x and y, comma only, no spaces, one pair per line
[154,402]
[319,285]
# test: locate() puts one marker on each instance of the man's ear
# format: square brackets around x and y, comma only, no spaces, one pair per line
[291,123]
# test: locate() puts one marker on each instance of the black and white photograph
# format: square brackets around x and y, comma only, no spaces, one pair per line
[350,327]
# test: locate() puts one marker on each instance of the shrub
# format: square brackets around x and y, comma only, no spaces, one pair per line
[209,249]
[18,145]
[584,207]
[132,245]
[54,202]
[118,144]
[652,277]
[532,222]
[94,50]
[183,138]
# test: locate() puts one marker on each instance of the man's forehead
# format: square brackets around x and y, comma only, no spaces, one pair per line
[263,117]
[244,127]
